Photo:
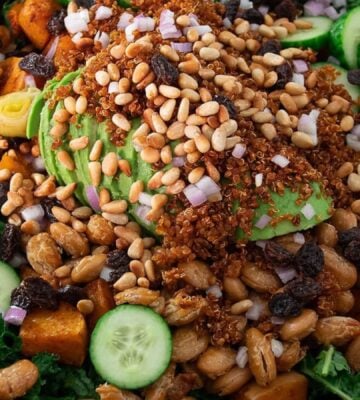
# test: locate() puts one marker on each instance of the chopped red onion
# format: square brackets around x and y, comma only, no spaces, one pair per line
[38,164]
[93,197]
[280,160]
[35,213]
[314,8]
[261,243]
[307,125]
[15,315]
[277,320]
[105,274]
[75,23]
[246,4]
[227,23]
[172,35]
[103,38]
[239,150]
[257,310]
[300,66]
[201,29]
[166,16]
[277,347]
[129,31]
[29,81]
[84,14]
[356,130]
[142,211]
[254,27]
[299,238]
[124,21]
[215,291]
[51,52]
[314,114]
[259,179]
[208,186]
[333,60]
[168,28]
[145,199]
[17,259]
[353,141]
[77,37]
[145,24]
[263,221]
[299,79]
[2,57]
[178,161]
[242,357]
[286,274]
[193,20]
[113,87]
[185,47]
[195,196]
[103,13]
[308,211]
[263,9]
[331,13]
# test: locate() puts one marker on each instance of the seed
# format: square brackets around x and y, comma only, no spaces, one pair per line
[183,20]
[137,267]
[61,115]
[158,124]
[190,67]
[347,123]
[311,80]
[241,307]
[346,169]
[189,146]
[169,53]
[117,51]
[155,140]
[270,79]
[280,31]
[136,249]
[61,214]
[266,31]
[70,105]
[302,140]
[191,131]
[166,155]
[125,167]
[65,160]
[176,187]
[109,164]
[231,142]
[96,151]
[124,86]
[282,118]
[192,35]
[58,130]
[63,193]
[126,233]
[134,49]
[208,108]
[115,207]
[62,272]
[353,182]
[140,71]
[183,111]
[158,201]
[170,92]
[171,176]
[81,105]
[85,306]
[16,182]
[302,24]
[258,76]
[7,208]
[113,72]
[135,190]
[262,116]
[273,60]
[155,180]
[206,73]
[190,94]
[176,130]
[123,98]
[167,109]
[268,130]
[243,27]
[196,174]
[102,78]
[121,122]
[79,143]
[209,54]
[187,82]
[295,88]
[118,219]
[218,139]
[334,107]
[202,143]
[288,102]
[242,65]
[193,157]
[5,174]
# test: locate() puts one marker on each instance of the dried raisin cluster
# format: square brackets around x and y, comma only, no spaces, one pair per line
[119,261]
[230,106]
[310,259]
[56,22]
[10,239]
[165,72]
[38,65]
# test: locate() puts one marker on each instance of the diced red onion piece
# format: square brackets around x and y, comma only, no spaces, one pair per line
[299,238]
[286,274]
[178,161]
[195,196]
[142,211]
[257,309]
[77,37]
[353,141]
[280,160]
[261,243]
[172,35]
[15,315]
[299,79]
[314,8]
[29,81]
[356,130]
[2,57]
[277,320]
[103,13]
[185,47]
[166,16]
[17,259]
[263,221]
[263,9]
[193,20]
[113,87]
[277,347]
[314,114]
[239,150]
[259,179]
[51,52]
[105,273]
[254,27]
[227,23]
[103,38]
[168,28]
[246,4]
[208,186]
[145,199]
[38,164]
[307,125]
[145,24]
[93,197]
[300,66]
[201,29]
[214,291]
[35,213]
[84,14]
[242,357]
[308,211]
[129,31]
[74,23]
[331,13]
[333,60]
[124,21]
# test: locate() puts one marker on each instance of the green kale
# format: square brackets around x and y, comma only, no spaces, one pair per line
[10,344]
[202,395]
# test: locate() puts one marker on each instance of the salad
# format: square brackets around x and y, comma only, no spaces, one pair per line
[179,198]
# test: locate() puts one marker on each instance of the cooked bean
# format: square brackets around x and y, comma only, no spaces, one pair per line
[299,327]
[343,219]
[344,302]
[188,344]
[216,361]
[326,234]
[235,289]
[352,354]
[336,330]
[197,274]
[292,354]
[262,280]
[231,382]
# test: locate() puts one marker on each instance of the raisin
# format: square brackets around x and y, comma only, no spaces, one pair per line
[284,305]
[37,65]
[85,3]
[225,101]
[304,290]
[284,73]
[4,188]
[33,293]
[345,237]
[286,9]
[353,76]
[47,204]
[71,294]
[56,23]
[232,7]
[253,16]
[352,251]
[9,241]
[309,259]
[119,261]
[270,46]
[164,70]
[277,254]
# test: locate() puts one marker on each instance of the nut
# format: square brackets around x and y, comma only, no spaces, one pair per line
[100,231]
[299,327]
[70,240]
[188,344]
[88,268]
[336,330]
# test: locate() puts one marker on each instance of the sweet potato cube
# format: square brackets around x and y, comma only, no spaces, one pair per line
[13,18]
[62,332]
[100,293]
[12,78]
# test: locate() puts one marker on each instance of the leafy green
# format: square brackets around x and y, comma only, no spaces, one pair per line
[330,374]
[10,344]
[202,395]
[5,9]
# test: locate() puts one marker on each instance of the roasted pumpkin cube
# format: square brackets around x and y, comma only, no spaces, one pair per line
[62,332]
[101,295]
[12,78]
[13,18]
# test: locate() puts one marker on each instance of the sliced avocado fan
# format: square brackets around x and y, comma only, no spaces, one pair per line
[284,207]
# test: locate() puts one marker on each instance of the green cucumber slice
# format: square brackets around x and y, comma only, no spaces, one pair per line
[9,280]
[315,38]
[131,346]
[345,39]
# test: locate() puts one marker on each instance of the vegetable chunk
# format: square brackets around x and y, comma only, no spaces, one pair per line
[12,78]
[62,332]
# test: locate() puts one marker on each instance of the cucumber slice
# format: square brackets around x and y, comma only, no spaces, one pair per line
[9,280]
[316,37]
[131,346]
[345,39]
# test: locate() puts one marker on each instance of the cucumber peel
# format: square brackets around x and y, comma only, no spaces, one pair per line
[9,280]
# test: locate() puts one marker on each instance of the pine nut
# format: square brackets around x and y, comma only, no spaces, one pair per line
[242,65]
[166,154]
[294,89]
[65,160]
[190,94]
[150,155]
[176,187]
[115,207]
[262,117]
[202,143]
[143,282]
[218,139]
[190,67]
[302,24]
[171,92]
[96,150]
[158,124]
[134,49]
[158,201]
[345,170]
[155,181]
[169,53]
[70,105]
[135,190]
[151,91]
[16,182]
[268,130]
[5,174]
[280,31]
[63,193]
[258,76]
[241,307]
[137,267]
[270,79]
[209,54]
[117,219]
[193,157]
[273,60]
[81,105]
[121,122]
[187,82]
[102,78]
[124,86]
[30,227]
[206,73]
[208,108]
[311,80]
[61,115]
[171,176]
[176,131]
[192,35]
[85,306]
[61,214]
[126,233]
[79,143]
[150,270]
[155,140]
[353,182]
[127,281]
[167,109]
[302,140]
[282,118]
[62,272]
[243,27]
[123,98]
[58,130]
[109,165]
[136,249]
[140,71]
[117,51]
[347,123]
[196,174]
[288,102]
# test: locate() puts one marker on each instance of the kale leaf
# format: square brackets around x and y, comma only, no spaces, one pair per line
[10,344]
